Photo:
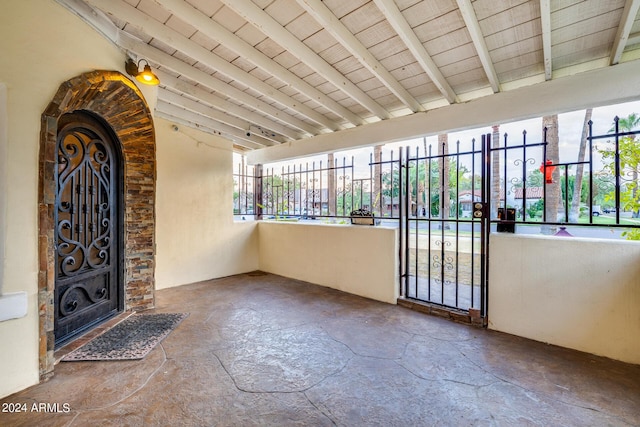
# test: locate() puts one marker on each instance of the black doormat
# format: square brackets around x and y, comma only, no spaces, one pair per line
[131,339]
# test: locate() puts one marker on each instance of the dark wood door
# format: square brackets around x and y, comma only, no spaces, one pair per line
[86,226]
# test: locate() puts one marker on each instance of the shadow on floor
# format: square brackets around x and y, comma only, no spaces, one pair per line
[259,349]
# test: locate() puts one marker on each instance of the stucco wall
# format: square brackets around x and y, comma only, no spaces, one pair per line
[577,293]
[196,236]
[361,260]
[42,45]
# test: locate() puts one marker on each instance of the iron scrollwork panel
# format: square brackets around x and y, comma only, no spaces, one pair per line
[83,294]
[85,227]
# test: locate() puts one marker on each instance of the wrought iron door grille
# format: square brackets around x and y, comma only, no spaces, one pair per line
[86,226]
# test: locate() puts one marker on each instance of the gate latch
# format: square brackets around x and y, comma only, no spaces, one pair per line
[478,209]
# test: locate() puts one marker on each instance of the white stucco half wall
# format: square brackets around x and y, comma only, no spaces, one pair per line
[573,292]
[360,260]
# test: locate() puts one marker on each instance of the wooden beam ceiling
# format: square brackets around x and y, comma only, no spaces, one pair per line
[329,70]
[220,34]
[171,37]
[331,23]
[400,25]
[269,26]
[221,104]
[157,56]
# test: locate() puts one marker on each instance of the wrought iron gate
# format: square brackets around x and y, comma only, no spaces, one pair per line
[444,230]
[86,226]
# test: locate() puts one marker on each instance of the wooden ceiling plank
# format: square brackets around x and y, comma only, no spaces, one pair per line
[507,16]
[129,43]
[633,38]
[401,26]
[520,48]
[332,24]
[456,54]
[177,40]
[265,23]
[577,11]
[624,28]
[587,27]
[488,8]
[582,48]
[515,34]
[225,37]
[303,27]
[469,16]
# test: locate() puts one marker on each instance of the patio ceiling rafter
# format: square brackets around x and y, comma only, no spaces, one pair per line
[269,26]
[237,136]
[131,44]
[215,101]
[201,127]
[220,34]
[545,20]
[186,46]
[624,28]
[211,113]
[337,29]
[471,21]
[408,36]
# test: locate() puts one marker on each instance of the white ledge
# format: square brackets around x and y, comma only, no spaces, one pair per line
[13,306]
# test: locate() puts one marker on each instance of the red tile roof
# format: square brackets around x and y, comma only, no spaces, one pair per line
[532,192]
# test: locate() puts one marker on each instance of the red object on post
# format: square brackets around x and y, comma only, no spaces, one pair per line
[547,169]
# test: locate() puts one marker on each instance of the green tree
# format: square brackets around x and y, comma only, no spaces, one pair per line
[629,164]
[354,196]
[427,185]
[629,160]
[391,183]
[281,196]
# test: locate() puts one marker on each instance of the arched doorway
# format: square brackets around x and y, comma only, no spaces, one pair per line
[112,100]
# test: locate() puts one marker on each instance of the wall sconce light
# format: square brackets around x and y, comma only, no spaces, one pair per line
[146,76]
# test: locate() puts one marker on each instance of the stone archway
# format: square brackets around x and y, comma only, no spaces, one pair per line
[115,99]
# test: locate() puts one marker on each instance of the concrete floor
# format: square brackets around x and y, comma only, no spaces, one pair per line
[264,350]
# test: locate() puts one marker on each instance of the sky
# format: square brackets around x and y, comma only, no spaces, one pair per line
[569,126]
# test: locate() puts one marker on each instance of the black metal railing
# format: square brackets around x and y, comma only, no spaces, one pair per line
[244,195]
[321,189]
[596,186]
